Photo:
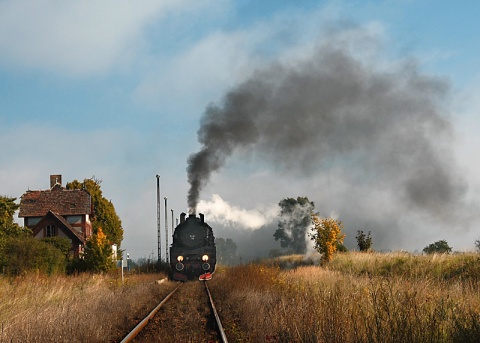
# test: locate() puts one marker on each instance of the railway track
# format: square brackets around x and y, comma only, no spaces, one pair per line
[187,314]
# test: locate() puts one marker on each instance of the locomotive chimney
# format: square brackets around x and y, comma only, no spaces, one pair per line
[202,217]
[182,217]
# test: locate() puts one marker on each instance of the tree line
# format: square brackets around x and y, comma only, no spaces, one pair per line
[298,220]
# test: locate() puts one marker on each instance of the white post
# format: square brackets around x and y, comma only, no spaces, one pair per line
[122,270]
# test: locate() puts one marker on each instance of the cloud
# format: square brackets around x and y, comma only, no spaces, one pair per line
[219,211]
[213,60]
[76,37]
[199,73]
[31,153]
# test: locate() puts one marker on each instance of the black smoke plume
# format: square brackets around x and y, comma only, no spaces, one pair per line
[385,126]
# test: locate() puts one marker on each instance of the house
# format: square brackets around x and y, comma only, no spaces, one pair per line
[59,212]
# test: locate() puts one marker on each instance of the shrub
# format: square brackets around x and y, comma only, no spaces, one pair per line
[61,243]
[26,254]
[364,241]
[327,235]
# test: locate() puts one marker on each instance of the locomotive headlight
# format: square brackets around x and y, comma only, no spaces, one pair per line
[205,258]
[179,258]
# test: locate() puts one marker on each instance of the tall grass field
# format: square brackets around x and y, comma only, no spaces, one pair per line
[84,308]
[358,297]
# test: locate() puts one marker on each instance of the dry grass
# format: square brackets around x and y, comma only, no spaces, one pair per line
[84,308]
[363,301]
[439,266]
[358,297]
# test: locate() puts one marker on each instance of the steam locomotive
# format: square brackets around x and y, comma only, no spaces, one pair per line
[192,253]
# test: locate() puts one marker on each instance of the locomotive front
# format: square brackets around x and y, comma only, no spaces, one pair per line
[193,252]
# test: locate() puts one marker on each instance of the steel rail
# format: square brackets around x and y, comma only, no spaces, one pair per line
[141,325]
[217,318]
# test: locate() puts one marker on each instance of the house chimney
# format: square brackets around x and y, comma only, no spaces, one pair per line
[55,179]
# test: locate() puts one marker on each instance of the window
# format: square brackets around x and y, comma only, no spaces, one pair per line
[32,221]
[74,219]
[50,231]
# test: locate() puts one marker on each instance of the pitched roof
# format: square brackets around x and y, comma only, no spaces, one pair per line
[58,200]
[68,229]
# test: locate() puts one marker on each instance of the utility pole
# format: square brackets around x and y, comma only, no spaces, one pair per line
[158,219]
[166,232]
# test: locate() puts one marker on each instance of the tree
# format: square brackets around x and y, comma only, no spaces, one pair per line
[477,245]
[226,250]
[364,241]
[439,247]
[295,220]
[98,253]
[8,228]
[105,215]
[327,235]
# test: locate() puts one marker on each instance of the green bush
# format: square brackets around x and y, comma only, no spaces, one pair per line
[61,243]
[26,254]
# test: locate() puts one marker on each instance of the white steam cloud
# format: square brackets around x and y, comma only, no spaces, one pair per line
[220,211]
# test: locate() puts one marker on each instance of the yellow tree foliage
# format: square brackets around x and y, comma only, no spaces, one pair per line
[326,234]
[98,253]
[100,238]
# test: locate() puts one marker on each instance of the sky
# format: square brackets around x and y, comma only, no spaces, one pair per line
[368,108]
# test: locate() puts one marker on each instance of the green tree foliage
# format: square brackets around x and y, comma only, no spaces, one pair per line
[341,247]
[105,215]
[327,235]
[7,210]
[364,241]
[27,254]
[98,253]
[295,220]
[8,228]
[61,243]
[226,251]
[439,247]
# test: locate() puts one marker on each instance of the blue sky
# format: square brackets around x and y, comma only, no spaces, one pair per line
[116,89]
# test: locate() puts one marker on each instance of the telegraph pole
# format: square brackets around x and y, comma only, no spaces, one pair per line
[172,221]
[166,232]
[158,219]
